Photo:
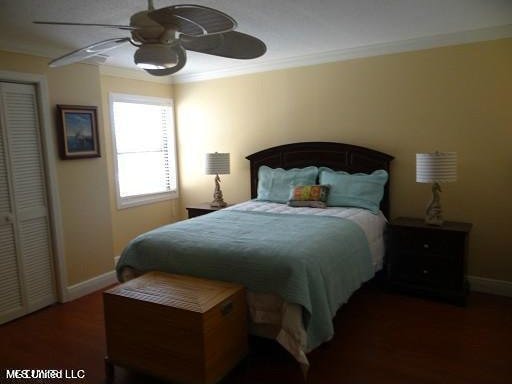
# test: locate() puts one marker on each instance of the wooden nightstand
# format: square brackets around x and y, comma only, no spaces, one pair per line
[427,259]
[201,209]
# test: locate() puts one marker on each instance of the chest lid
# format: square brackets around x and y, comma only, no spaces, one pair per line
[178,291]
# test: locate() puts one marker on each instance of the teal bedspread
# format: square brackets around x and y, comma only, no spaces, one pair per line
[317,262]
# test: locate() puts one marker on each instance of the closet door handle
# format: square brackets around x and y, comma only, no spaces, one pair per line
[7,219]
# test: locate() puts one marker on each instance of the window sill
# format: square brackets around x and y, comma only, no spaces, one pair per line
[135,201]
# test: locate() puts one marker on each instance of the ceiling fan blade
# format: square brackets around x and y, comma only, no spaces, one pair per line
[124,27]
[194,20]
[233,44]
[89,51]
[182,60]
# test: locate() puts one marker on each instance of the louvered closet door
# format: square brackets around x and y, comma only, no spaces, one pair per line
[28,200]
[11,303]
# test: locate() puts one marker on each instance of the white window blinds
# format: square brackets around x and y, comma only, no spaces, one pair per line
[144,149]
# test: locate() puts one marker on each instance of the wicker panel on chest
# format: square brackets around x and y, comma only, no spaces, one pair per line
[176,327]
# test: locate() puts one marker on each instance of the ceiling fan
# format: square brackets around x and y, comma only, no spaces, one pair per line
[163,35]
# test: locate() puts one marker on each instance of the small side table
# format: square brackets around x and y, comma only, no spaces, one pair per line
[428,259]
[201,209]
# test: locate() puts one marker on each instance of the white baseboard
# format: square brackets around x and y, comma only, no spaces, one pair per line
[477,284]
[495,287]
[88,286]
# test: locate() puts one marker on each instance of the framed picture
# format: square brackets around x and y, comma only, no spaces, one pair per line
[77,132]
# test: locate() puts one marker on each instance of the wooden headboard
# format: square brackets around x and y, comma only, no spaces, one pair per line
[337,156]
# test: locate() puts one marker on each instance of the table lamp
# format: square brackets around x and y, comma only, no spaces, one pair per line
[217,164]
[436,167]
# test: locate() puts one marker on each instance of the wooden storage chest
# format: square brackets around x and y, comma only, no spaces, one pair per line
[176,327]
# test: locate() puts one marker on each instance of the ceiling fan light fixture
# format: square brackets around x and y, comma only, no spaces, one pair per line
[162,37]
[156,56]
[150,66]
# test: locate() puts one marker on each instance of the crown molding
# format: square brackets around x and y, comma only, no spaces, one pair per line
[134,74]
[415,44]
[47,53]
[105,70]
[29,49]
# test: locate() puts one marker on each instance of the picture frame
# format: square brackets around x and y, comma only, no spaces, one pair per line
[78,132]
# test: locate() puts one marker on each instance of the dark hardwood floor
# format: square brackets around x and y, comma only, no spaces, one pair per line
[380,337]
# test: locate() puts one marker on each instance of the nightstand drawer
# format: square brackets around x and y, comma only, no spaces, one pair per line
[425,270]
[427,241]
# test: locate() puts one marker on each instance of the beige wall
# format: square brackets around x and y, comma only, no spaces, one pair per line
[449,99]
[94,230]
[130,222]
[452,98]
[82,184]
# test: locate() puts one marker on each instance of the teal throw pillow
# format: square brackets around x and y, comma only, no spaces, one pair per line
[359,190]
[274,184]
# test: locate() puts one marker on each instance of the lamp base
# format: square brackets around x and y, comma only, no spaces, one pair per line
[218,200]
[434,213]
[435,220]
[218,204]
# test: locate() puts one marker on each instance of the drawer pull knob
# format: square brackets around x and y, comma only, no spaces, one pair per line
[226,308]
[425,271]
[426,246]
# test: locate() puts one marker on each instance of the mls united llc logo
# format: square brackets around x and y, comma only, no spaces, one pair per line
[45,374]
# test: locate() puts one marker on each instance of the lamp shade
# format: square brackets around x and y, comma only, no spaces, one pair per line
[436,167]
[217,163]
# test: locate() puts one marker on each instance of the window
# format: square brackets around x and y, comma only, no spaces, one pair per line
[144,149]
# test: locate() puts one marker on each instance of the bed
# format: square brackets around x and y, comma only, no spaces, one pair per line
[299,264]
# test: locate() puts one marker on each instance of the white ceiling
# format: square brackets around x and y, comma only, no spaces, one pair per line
[290,28]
